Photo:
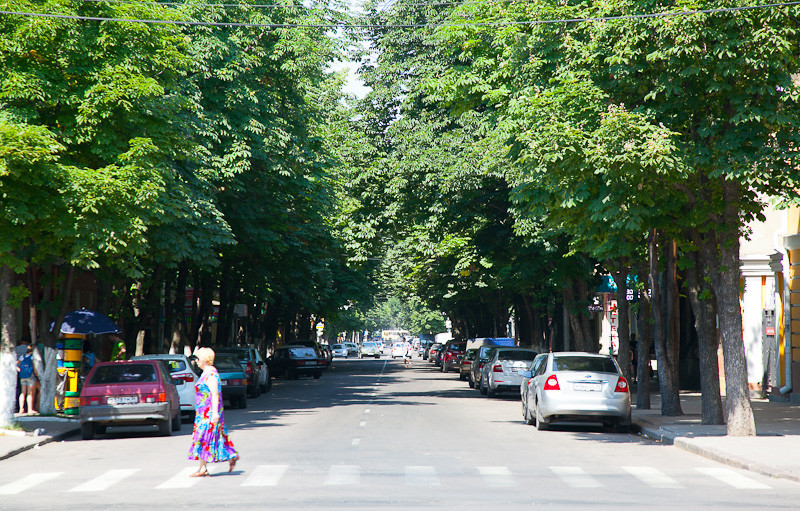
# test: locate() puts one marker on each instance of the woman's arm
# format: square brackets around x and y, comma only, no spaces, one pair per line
[213,386]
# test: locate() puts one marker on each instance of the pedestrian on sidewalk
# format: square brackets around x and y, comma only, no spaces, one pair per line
[210,442]
[407,356]
[27,378]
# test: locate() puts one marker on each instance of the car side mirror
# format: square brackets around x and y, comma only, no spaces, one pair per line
[525,374]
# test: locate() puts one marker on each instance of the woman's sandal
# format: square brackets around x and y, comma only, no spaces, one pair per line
[200,473]
[233,464]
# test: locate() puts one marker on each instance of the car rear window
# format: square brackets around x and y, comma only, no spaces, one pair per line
[239,355]
[369,345]
[226,363]
[516,355]
[338,347]
[303,352]
[175,366]
[591,364]
[124,373]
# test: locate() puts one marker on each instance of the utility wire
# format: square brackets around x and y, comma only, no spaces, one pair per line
[410,25]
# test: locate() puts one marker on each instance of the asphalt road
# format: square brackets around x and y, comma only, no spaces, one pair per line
[371,434]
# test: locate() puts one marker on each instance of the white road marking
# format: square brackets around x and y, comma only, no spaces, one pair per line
[266,475]
[366,410]
[497,477]
[180,480]
[341,475]
[421,476]
[356,441]
[105,481]
[576,477]
[27,482]
[732,478]
[653,477]
[362,423]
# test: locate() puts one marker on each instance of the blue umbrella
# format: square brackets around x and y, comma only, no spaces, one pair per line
[88,322]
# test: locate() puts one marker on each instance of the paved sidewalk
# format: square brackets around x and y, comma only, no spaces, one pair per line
[36,430]
[773,452]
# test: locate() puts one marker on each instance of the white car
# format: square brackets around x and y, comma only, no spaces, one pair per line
[339,350]
[369,349]
[572,386]
[398,349]
[183,373]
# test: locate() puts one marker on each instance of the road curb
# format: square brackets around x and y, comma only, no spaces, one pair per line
[687,444]
[45,439]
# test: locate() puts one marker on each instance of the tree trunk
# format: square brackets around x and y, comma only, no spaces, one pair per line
[49,375]
[590,341]
[578,339]
[670,397]
[8,359]
[702,302]
[643,353]
[623,321]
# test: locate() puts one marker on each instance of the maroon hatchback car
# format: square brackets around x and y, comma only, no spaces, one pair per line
[131,393]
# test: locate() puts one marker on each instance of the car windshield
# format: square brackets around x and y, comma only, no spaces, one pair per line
[124,373]
[369,345]
[590,364]
[516,355]
[303,352]
[338,347]
[175,366]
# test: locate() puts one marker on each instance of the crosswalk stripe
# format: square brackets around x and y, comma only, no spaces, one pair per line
[266,475]
[180,480]
[27,482]
[497,477]
[576,477]
[732,478]
[421,476]
[653,477]
[105,481]
[340,475]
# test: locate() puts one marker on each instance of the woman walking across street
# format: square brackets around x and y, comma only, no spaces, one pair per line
[407,356]
[210,442]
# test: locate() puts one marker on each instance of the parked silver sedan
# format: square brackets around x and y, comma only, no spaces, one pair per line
[501,371]
[576,386]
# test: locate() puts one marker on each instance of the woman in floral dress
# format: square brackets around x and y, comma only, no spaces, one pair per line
[210,442]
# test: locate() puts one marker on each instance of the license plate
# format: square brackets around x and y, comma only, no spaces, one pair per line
[586,387]
[122,400]
[311,363]
[224,382]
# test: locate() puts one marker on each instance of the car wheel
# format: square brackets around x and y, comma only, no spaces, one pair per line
[165,427]
[540,425]
[243,401]
[471,383]
[482,387]
[317,375]
[489,391]
[377,356]
[100,430]
[87,431]
[462,376]
[268,386]
[176,422]
[623,425]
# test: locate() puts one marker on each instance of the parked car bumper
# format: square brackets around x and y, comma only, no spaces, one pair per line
[577,407]
[134,414]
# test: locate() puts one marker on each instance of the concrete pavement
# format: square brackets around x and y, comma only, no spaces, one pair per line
[36,430]
[773,452]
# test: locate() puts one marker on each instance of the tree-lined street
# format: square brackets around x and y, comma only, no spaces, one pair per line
[372,434]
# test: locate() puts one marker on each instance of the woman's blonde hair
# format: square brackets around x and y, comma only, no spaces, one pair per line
[206,355]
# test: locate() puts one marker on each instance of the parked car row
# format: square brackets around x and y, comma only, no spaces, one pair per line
[553,387]
[160,389]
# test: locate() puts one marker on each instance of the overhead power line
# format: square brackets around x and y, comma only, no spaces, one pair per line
[410,25]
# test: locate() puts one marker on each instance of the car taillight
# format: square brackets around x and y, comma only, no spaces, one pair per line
[497,368]
[551,383]
[466,362]
[249,369]
[480,366]
[188,378]
[155,398]
[89,401]
[622,385]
